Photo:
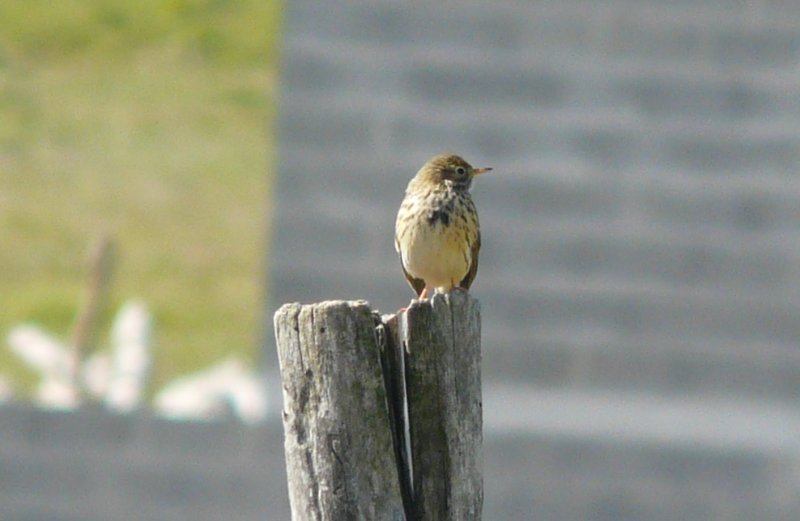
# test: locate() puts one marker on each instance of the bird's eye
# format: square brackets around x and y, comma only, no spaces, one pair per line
[460,170]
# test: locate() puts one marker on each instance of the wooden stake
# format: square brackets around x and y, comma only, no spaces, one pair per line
[443,382]
[339,450]
[383,416]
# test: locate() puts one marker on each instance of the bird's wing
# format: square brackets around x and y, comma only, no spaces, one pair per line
[416,284]
[466,282]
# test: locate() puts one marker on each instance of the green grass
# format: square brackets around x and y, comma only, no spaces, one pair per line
[147,121]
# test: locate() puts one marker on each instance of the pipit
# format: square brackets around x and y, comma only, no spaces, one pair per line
[437,233]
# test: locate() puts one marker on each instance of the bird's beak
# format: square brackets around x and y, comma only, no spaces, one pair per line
[479,171]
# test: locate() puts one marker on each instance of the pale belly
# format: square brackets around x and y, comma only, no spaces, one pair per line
[439,255]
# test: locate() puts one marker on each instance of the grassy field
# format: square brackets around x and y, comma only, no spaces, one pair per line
[149,121]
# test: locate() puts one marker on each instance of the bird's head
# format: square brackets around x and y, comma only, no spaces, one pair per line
[448,170]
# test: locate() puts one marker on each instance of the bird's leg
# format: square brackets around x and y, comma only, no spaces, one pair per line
[455,286]
[422,296]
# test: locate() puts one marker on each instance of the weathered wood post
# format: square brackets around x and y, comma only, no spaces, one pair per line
[442,340]
[383,415]
[339,451]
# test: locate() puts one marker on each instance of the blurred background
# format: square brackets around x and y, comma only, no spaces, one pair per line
[148,123]
[639,280]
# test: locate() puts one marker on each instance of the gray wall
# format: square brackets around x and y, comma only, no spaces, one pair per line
[94,466]
[640,274]
[642,226]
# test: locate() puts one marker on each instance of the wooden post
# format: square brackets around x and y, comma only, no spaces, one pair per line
[340,460]
[383,416]
[101,263]
[442,339]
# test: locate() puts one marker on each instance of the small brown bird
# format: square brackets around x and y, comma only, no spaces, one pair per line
[437,233]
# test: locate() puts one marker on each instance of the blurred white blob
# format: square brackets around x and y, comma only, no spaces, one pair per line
[96,372]
[130,337]
[228,388]
[52,360]
[117,379]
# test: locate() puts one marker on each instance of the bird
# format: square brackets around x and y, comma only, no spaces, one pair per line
[437,232]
